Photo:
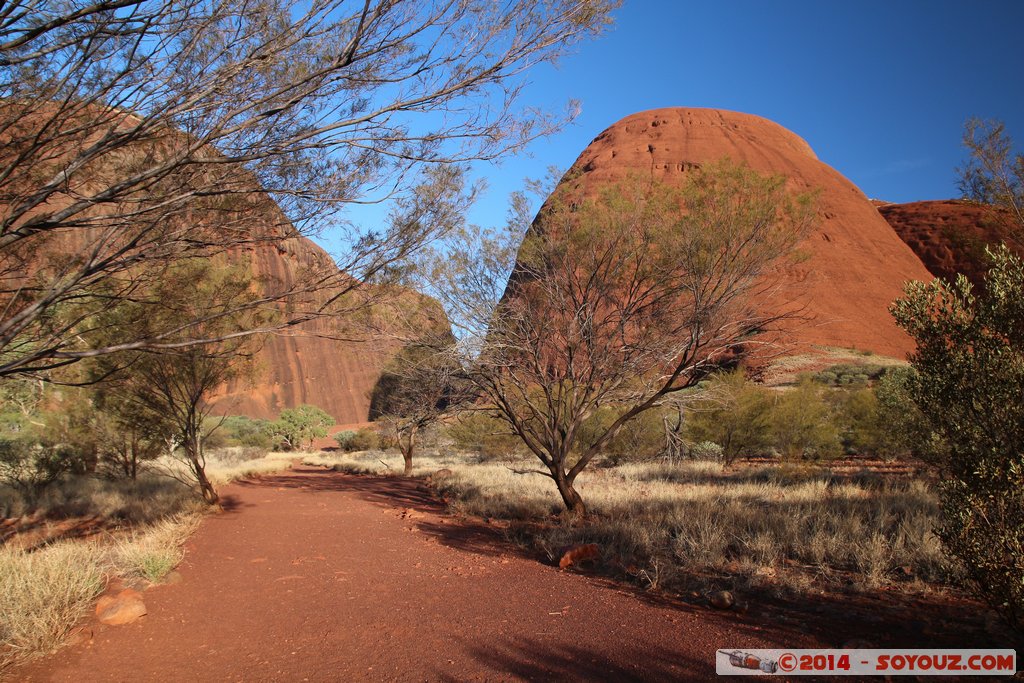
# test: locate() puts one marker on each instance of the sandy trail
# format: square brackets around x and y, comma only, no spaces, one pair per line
[319,576]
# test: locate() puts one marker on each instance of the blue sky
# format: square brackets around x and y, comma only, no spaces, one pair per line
[880,90]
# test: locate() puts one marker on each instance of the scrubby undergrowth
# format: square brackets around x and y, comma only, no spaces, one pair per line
[784,529]
[138,532]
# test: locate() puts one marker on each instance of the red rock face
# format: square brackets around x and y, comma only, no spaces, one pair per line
[949,236]
[307,366]
[857,263]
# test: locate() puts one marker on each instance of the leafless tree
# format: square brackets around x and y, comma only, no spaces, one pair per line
[137,132]
[619,297]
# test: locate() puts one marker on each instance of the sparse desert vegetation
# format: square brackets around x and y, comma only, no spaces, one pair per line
[694,525]
[699,360]
[61,548]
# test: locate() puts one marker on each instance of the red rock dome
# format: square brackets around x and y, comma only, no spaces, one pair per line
[857,263]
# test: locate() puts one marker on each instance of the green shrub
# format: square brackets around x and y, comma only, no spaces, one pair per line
[344,438]
[365,439]
[847,374]
[297,428]
[734,413]
[706,450]
[485,435]
[802,424]
[240,430]
[970,380]
[641,438]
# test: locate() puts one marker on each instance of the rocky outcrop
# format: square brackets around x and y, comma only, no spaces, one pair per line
[949,236]
[123,608]
[325,361]
[857,265]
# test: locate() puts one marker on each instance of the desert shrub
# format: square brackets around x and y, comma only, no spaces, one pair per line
[364,439]
[732,412]
[240,430]
[856,414]
[45,593]
[151,553]
[904,429]
[229,456]
[846,374]
[136,501]
[706,451]
[344,438]
[970,380]
[802,423]
[32,461]
[641,438]
[485,435]
[296,428]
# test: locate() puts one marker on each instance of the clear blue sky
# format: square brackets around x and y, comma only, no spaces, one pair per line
[880,90]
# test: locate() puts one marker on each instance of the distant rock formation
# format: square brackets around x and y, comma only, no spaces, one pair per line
[857,264]
[306,365]
[949,236]
[311,364]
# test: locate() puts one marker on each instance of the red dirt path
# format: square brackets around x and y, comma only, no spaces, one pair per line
[320,576]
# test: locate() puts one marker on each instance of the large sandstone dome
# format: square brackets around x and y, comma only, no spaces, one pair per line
[311,364]
[322,361]
[857,264]
[949,236]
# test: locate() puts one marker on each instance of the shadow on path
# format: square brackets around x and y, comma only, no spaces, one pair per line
[879,619]
[535,659]
[410,496]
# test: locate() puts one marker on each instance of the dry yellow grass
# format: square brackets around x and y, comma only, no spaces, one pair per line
[151,553]
[45,593]
[783,528]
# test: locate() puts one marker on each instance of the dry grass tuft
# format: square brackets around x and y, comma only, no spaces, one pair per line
[151,553]
[223,471]
[142,501]
[45,593]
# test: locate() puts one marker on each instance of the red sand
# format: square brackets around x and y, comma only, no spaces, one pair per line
[323,576]
[316,575]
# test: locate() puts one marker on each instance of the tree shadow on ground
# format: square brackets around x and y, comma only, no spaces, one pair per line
[409,496]
[874,620]
[534,659]
[384,491]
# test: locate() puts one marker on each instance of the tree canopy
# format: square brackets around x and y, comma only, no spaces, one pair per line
[137,132]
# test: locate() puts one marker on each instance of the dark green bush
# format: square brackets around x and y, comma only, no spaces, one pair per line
[969,386]
[364,439]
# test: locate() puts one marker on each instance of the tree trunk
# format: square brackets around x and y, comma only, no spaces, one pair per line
[206,487]
[570,496]
[193,446]
[407,449]
[407,456]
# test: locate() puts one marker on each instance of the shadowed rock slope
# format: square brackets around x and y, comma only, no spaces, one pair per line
[949,236]
[324,362]
[857,263]
[318,361]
